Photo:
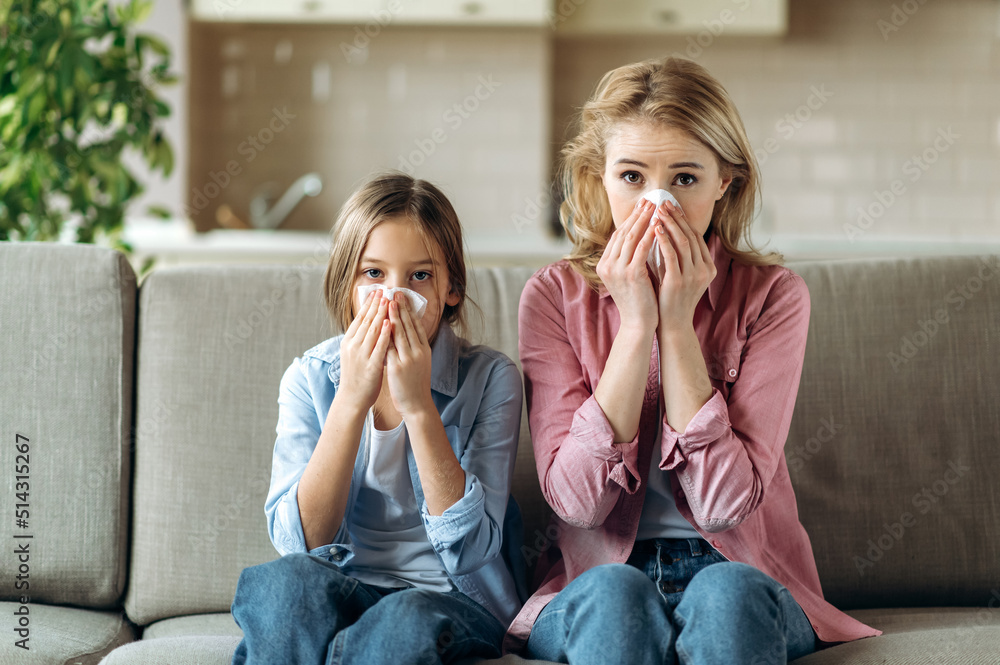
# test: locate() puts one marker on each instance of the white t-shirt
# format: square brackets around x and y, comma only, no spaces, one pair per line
[660,517]
[390,542]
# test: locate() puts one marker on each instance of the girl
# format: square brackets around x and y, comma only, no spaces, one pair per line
[659,398]
[392,464]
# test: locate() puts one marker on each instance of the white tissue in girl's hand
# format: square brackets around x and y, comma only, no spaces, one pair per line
[657,196]
[417,301]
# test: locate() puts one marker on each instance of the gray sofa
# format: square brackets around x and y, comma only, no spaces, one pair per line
[146,414]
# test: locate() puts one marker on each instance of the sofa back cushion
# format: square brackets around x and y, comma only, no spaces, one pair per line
[66,346]
[213,345]
[895,441]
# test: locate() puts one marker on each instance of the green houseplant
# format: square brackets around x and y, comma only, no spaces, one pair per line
[77,90]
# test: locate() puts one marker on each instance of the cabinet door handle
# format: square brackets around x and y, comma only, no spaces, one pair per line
[668,16]
[472,8]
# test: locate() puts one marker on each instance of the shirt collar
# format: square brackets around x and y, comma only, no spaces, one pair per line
[444,361]
[720,257]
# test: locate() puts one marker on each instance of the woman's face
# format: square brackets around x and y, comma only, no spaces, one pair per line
[643,156]
[397,255]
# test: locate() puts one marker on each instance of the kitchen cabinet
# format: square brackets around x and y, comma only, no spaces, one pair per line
[377,12]
[652,17]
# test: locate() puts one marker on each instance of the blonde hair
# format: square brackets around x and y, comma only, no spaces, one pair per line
[673,92]
[386,196]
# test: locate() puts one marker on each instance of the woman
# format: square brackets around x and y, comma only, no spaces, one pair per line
[660,395]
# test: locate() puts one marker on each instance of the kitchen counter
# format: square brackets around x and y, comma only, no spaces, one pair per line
[175,242]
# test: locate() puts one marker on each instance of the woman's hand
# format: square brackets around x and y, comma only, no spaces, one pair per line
[687,269]
[622,268]
[409,361]
[363,353]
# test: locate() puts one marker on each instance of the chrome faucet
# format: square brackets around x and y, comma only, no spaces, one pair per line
[262,218]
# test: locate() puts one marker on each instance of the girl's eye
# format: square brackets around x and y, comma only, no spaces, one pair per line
[421,275]
[372,273]
[631,177]
[685,179]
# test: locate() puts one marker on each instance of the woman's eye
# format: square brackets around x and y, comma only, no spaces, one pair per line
[685,179]
[421,276]
[631,177]
[372,273]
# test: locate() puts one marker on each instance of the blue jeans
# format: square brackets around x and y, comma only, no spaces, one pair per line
[675,601]
[302,610]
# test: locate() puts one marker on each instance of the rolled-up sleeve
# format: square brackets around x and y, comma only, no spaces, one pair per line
[729,453]
[582,470]
[469,533]
[297,433]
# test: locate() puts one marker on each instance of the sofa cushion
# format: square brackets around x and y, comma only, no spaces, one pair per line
[929,636]
[200,639]
[213,344]
[66,349]
[61,635]
[895,441]
[217,624]
[191,650]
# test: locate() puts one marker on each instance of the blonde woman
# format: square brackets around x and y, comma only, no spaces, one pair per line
[661,362]
[390,482]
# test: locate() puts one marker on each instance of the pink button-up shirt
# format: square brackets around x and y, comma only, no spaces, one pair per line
[727,469]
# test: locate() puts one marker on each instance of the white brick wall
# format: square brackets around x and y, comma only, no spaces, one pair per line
[891,98]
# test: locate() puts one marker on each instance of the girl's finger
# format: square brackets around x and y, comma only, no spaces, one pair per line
[400,342]
[355,324]
[383,341]
[409,324]
[375,326]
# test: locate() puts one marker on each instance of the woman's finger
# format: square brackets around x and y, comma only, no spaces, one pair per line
[667,249]
[637,230]
[695,240]
[680,234]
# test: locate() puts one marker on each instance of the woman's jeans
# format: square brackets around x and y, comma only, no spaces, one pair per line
[301,610]
[675,601]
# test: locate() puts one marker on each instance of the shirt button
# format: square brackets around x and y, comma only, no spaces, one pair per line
[337,556]
[732,373]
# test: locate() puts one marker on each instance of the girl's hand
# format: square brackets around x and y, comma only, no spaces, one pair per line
[687,269]
[622,268]
[363,352]
[409,361]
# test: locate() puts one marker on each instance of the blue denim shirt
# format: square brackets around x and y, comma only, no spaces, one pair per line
[478,393]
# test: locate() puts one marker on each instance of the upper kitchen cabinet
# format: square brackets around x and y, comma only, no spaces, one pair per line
[652,17]
[381,12]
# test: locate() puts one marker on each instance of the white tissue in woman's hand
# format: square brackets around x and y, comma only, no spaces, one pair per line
[657,196]
[417,301]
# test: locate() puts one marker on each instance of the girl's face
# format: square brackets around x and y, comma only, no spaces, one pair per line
[396,255]
[641,157]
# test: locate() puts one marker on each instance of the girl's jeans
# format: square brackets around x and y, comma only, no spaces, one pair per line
[675,601]
[301,610]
